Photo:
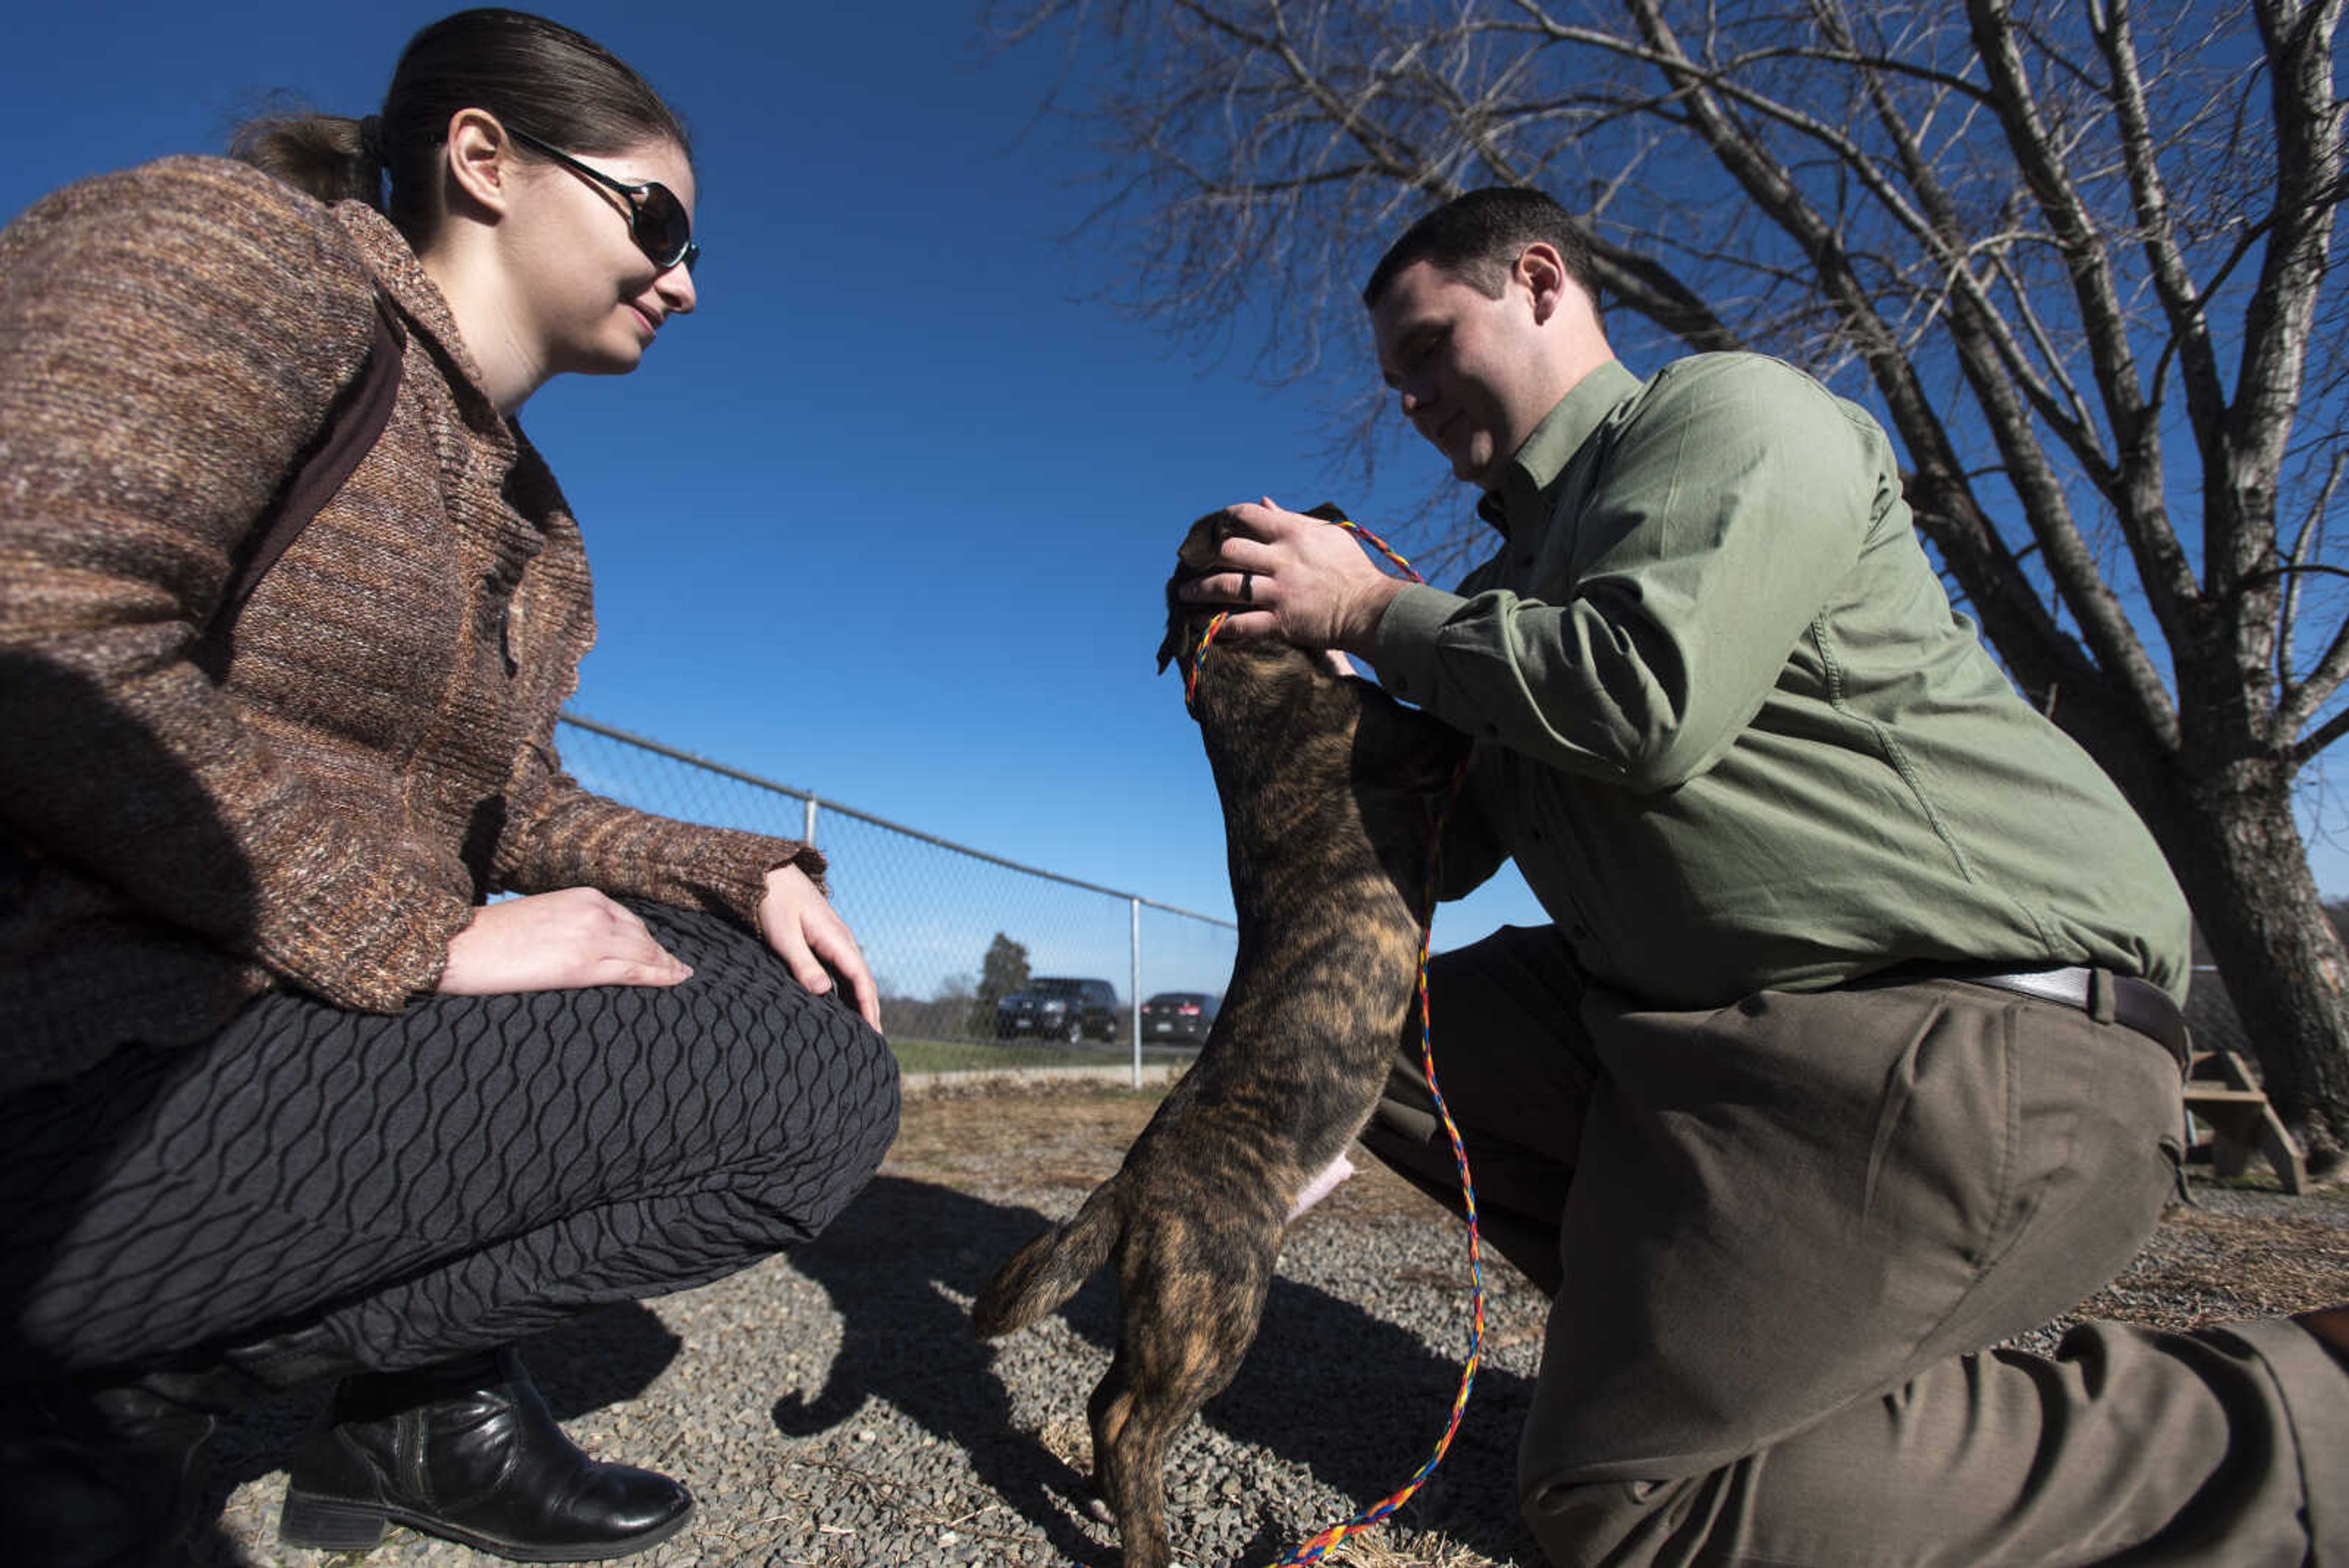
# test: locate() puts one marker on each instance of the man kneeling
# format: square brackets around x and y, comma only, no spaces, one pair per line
[1854,1048]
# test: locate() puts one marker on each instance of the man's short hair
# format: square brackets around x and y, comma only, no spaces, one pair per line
[1478,237]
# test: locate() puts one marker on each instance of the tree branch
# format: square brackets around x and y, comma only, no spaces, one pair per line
[2308,125]
[2138,496]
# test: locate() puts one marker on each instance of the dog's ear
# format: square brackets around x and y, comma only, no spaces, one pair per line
[1203,543]
[1171,644]
[1191,562]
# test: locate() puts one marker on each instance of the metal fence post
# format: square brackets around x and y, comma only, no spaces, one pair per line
[807,835]
[1135,906]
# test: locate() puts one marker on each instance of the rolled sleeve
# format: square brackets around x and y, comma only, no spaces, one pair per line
[571,837]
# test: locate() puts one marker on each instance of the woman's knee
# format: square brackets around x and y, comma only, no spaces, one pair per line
[788,1099]
[866,1105]
[791,1128]
[817,1084]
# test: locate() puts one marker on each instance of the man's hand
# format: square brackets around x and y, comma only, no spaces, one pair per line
[1296,577]
[807,935]
[555,941]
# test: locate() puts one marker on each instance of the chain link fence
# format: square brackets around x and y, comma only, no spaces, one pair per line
[948,930]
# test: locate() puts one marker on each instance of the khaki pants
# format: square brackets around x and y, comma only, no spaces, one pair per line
[1777,1237]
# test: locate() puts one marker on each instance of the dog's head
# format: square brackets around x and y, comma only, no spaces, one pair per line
[1201,549]
[1187,622]
[1283,730]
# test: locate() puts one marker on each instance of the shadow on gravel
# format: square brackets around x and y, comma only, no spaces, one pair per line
[600,1359]
[1361,1403]
[904,1342]
[1356,1400]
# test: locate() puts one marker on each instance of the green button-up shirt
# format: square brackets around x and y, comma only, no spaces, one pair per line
[1731,729]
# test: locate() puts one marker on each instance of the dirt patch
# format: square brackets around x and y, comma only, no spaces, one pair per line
[1041,1137]
[1021,1140]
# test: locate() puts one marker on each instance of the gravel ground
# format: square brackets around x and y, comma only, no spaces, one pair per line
[832,1406]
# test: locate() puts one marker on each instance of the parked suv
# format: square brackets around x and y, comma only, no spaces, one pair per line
[1055,1009]
[1182,1015]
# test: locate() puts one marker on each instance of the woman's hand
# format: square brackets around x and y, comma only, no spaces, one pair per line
[807,936]
[555,941]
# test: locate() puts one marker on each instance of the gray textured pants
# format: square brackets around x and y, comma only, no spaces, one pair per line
[1777,1237]
[468,1172]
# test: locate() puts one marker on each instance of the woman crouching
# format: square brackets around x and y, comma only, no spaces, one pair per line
[283,1096]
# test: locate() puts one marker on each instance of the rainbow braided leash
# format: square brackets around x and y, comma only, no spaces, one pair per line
[1371,1518]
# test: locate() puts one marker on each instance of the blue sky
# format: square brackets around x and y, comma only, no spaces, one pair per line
[888,519]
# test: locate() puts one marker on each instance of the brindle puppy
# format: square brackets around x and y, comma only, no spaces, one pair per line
[1327,787]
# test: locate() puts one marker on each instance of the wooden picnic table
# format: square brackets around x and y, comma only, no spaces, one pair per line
[2222,1095]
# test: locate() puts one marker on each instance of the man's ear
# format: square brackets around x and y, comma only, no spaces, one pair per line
[480,159]
[1543,272]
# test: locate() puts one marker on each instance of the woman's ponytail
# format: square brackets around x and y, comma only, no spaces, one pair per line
[327,155]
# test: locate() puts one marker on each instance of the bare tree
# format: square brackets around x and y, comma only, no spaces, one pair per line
[2074,255]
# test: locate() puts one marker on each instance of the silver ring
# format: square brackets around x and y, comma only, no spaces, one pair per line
[1247,587]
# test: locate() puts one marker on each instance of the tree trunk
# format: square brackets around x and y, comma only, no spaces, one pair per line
[2233,841]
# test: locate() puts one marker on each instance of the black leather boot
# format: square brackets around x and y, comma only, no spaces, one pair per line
[468,1450]
[106,1470]
[99,1477]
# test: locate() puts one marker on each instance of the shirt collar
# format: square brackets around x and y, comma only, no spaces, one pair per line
[1528,485]
[403,277]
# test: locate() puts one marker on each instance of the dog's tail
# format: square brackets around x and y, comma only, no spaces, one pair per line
[1047,1270]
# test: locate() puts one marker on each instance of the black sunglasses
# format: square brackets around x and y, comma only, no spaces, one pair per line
[656,219]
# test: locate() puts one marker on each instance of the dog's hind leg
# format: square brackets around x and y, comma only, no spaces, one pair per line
[1105,1412]
[1185,1331]
[1130,1441]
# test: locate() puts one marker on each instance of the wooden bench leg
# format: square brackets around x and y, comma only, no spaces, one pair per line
[2242,1124]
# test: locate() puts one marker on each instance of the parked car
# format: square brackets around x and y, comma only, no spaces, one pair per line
[1179,1015]
[1052,1008]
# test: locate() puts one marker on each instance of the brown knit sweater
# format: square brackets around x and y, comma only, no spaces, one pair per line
[378,752]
